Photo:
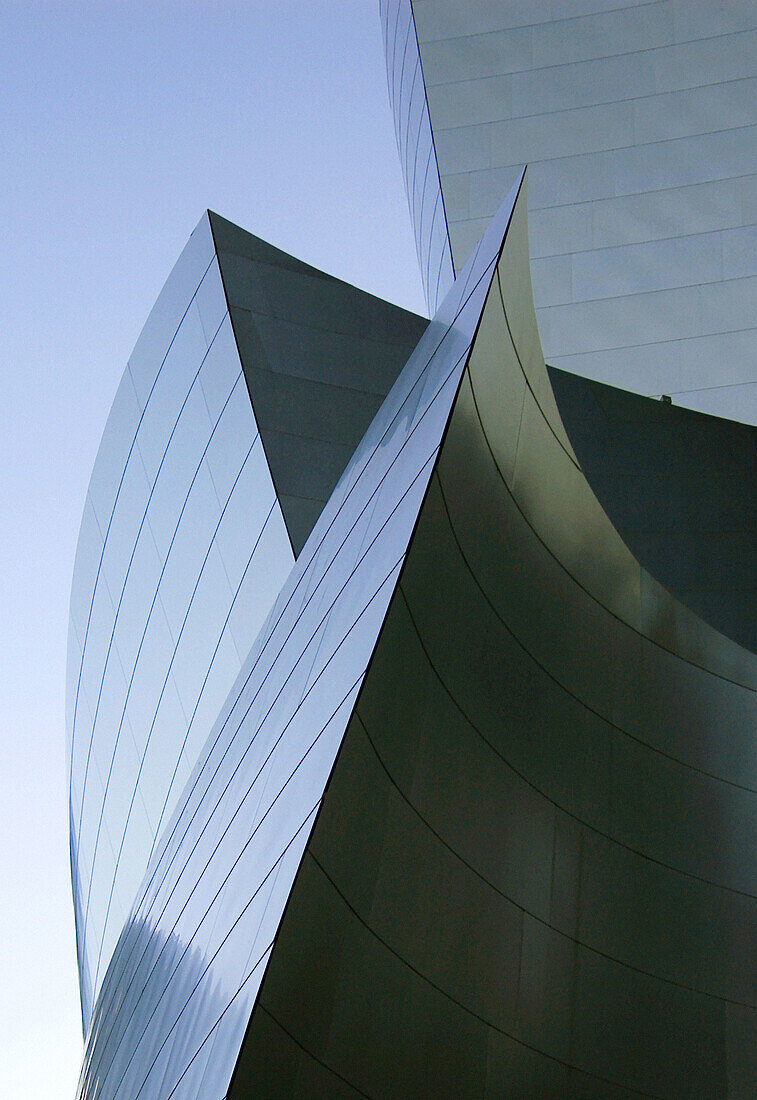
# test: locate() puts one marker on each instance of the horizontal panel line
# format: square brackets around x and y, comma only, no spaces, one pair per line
[588,60]
[706,389]
[630,6]
[645,242]
[603,198]
[647,344]
[678,288]
[602,151]
[594,104]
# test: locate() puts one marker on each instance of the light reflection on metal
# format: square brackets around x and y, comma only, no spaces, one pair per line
[637,120]
[220,879]
[472,820]
[530,874]
[252,382]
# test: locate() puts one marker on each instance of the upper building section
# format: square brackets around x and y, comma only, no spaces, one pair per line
[252,382]
[528,877]
[319,356]
[637,120]
[407,95]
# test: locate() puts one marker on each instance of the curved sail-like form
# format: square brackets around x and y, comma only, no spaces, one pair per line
[533,872]
[637,120]
[180,524]
[252,382]
[219,881]
[472,820]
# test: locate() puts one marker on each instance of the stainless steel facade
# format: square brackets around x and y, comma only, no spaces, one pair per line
[677,487]
[407,97]
[466,801]
[529,876]
[182,550]
[182,982]
[196,509]
[638,122]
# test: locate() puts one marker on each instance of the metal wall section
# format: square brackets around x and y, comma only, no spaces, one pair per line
[180,987]
[186,534]
[681,489]
[319,357]
[181,551]
[407,97]
[637,119]
[533,872]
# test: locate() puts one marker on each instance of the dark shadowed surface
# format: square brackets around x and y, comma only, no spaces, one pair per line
[680,487]
[530,875]
[318,355]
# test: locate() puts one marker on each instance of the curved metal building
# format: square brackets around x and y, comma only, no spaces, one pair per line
[474,818]
[515,883]
[637,119]
[411,686]
[251,384]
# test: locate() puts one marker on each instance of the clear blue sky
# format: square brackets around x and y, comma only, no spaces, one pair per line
[119,124]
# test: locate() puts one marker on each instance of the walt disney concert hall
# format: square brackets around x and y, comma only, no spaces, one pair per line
[412,662]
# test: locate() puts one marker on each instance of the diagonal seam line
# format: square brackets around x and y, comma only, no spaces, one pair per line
[396,416]
[582,702]
[526,379]
[273,868]
[160,698]
[207,674]
[128,569]
[225,880]
[546,797]
[260,1007]
[289,721]
[422,375]
[115,502]
[252,785]
[147,623]
[430,459]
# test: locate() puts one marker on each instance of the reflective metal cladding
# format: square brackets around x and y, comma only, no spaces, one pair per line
[411,685]
[182,549]
[251,384]
[218,882]
[407,97]
[529,875]
[638,122]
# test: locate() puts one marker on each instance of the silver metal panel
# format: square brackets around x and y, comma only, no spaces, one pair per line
[179,989]
[637,120]
[466,702]
[318,356]
[182,548]
[179,499]
[530,873]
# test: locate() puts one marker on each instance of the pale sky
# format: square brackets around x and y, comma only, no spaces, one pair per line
[119,124]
